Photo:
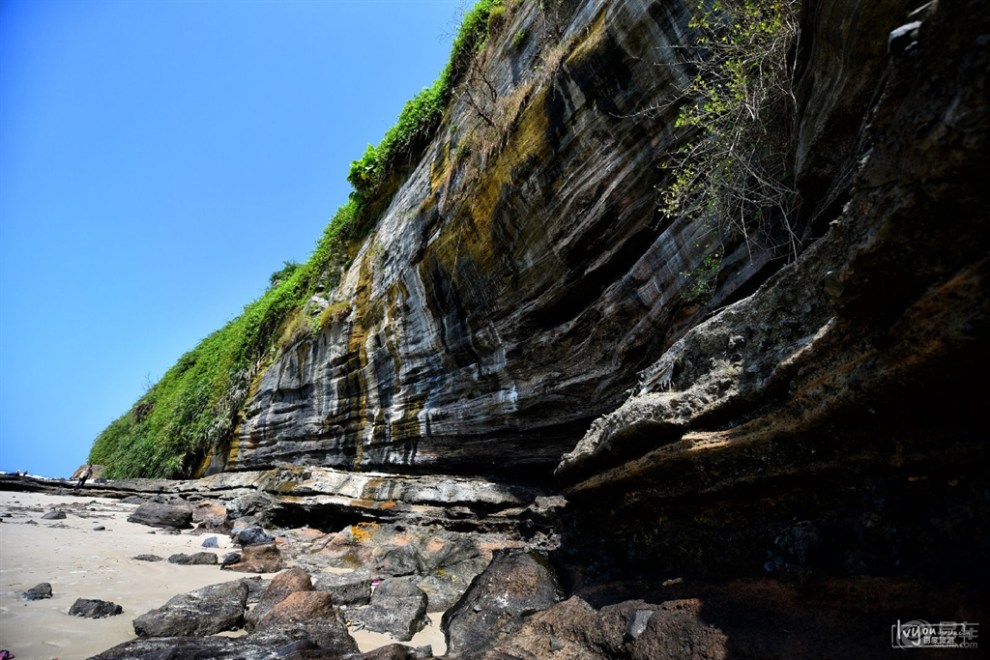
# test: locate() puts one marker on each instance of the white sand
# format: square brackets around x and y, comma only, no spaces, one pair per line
[82,563]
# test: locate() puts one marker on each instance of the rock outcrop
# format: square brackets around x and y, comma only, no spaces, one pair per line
[522,274]
[516,361]
[775,436]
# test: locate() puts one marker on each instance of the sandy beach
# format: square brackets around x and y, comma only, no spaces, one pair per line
[81,562]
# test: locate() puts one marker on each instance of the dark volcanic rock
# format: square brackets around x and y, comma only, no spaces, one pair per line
[198,558]
[210,542]
[398,560]
[230,558]
[636,630]
[398,607]
[282,585]
[514,584]
[38,592]
[257,559]
[165,516]
[266,645]
[252,536]
[206,611]
[94,609]
[345,588]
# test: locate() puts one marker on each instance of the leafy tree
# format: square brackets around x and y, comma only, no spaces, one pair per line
[732,171]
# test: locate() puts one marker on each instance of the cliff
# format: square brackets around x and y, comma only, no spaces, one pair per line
[524,311]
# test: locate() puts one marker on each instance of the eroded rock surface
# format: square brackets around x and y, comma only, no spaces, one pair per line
[207,611]
[514,584]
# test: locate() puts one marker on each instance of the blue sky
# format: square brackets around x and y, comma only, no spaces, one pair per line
[158,161]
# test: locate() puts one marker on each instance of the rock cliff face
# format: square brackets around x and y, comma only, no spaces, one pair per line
[521,276]
[821,426]
[522,303]
[522,308]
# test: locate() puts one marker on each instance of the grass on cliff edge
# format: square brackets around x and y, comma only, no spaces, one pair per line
[193,409]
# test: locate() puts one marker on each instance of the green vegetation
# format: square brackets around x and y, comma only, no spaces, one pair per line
[732,173]
[422,115]
[519,39]
[192,410]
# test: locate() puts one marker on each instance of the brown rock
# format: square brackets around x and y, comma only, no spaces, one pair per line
[282,585]
[309,615]
[301,606]
[258,559]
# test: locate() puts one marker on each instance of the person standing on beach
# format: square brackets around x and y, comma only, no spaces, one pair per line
[86,474]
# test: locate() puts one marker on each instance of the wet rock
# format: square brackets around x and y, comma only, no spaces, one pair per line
[199,558]
[54,514]
[398,607]
[515,583]
[38,592]
[206,611]
[147,557]
[281,586]
[94,609]
[350,589]
[164,516]
[258,559]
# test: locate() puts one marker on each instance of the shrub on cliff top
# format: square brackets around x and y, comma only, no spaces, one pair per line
[422,114]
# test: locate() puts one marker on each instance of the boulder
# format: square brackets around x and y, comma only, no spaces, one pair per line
[310,614]
[282,585]
[252,536]
[94,609]
[206,611]
[349,589]
[398,560]
[254,504]
[257,559]
[269,646]
[210,542]
[230,558]
[514,584]
[38,592]
[398,607]
[633,629]
[164,516]
[199,558]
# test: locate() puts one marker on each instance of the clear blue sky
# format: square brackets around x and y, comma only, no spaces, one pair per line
[158,161]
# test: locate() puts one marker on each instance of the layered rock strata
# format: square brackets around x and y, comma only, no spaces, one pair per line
[522,274]
[822,426]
